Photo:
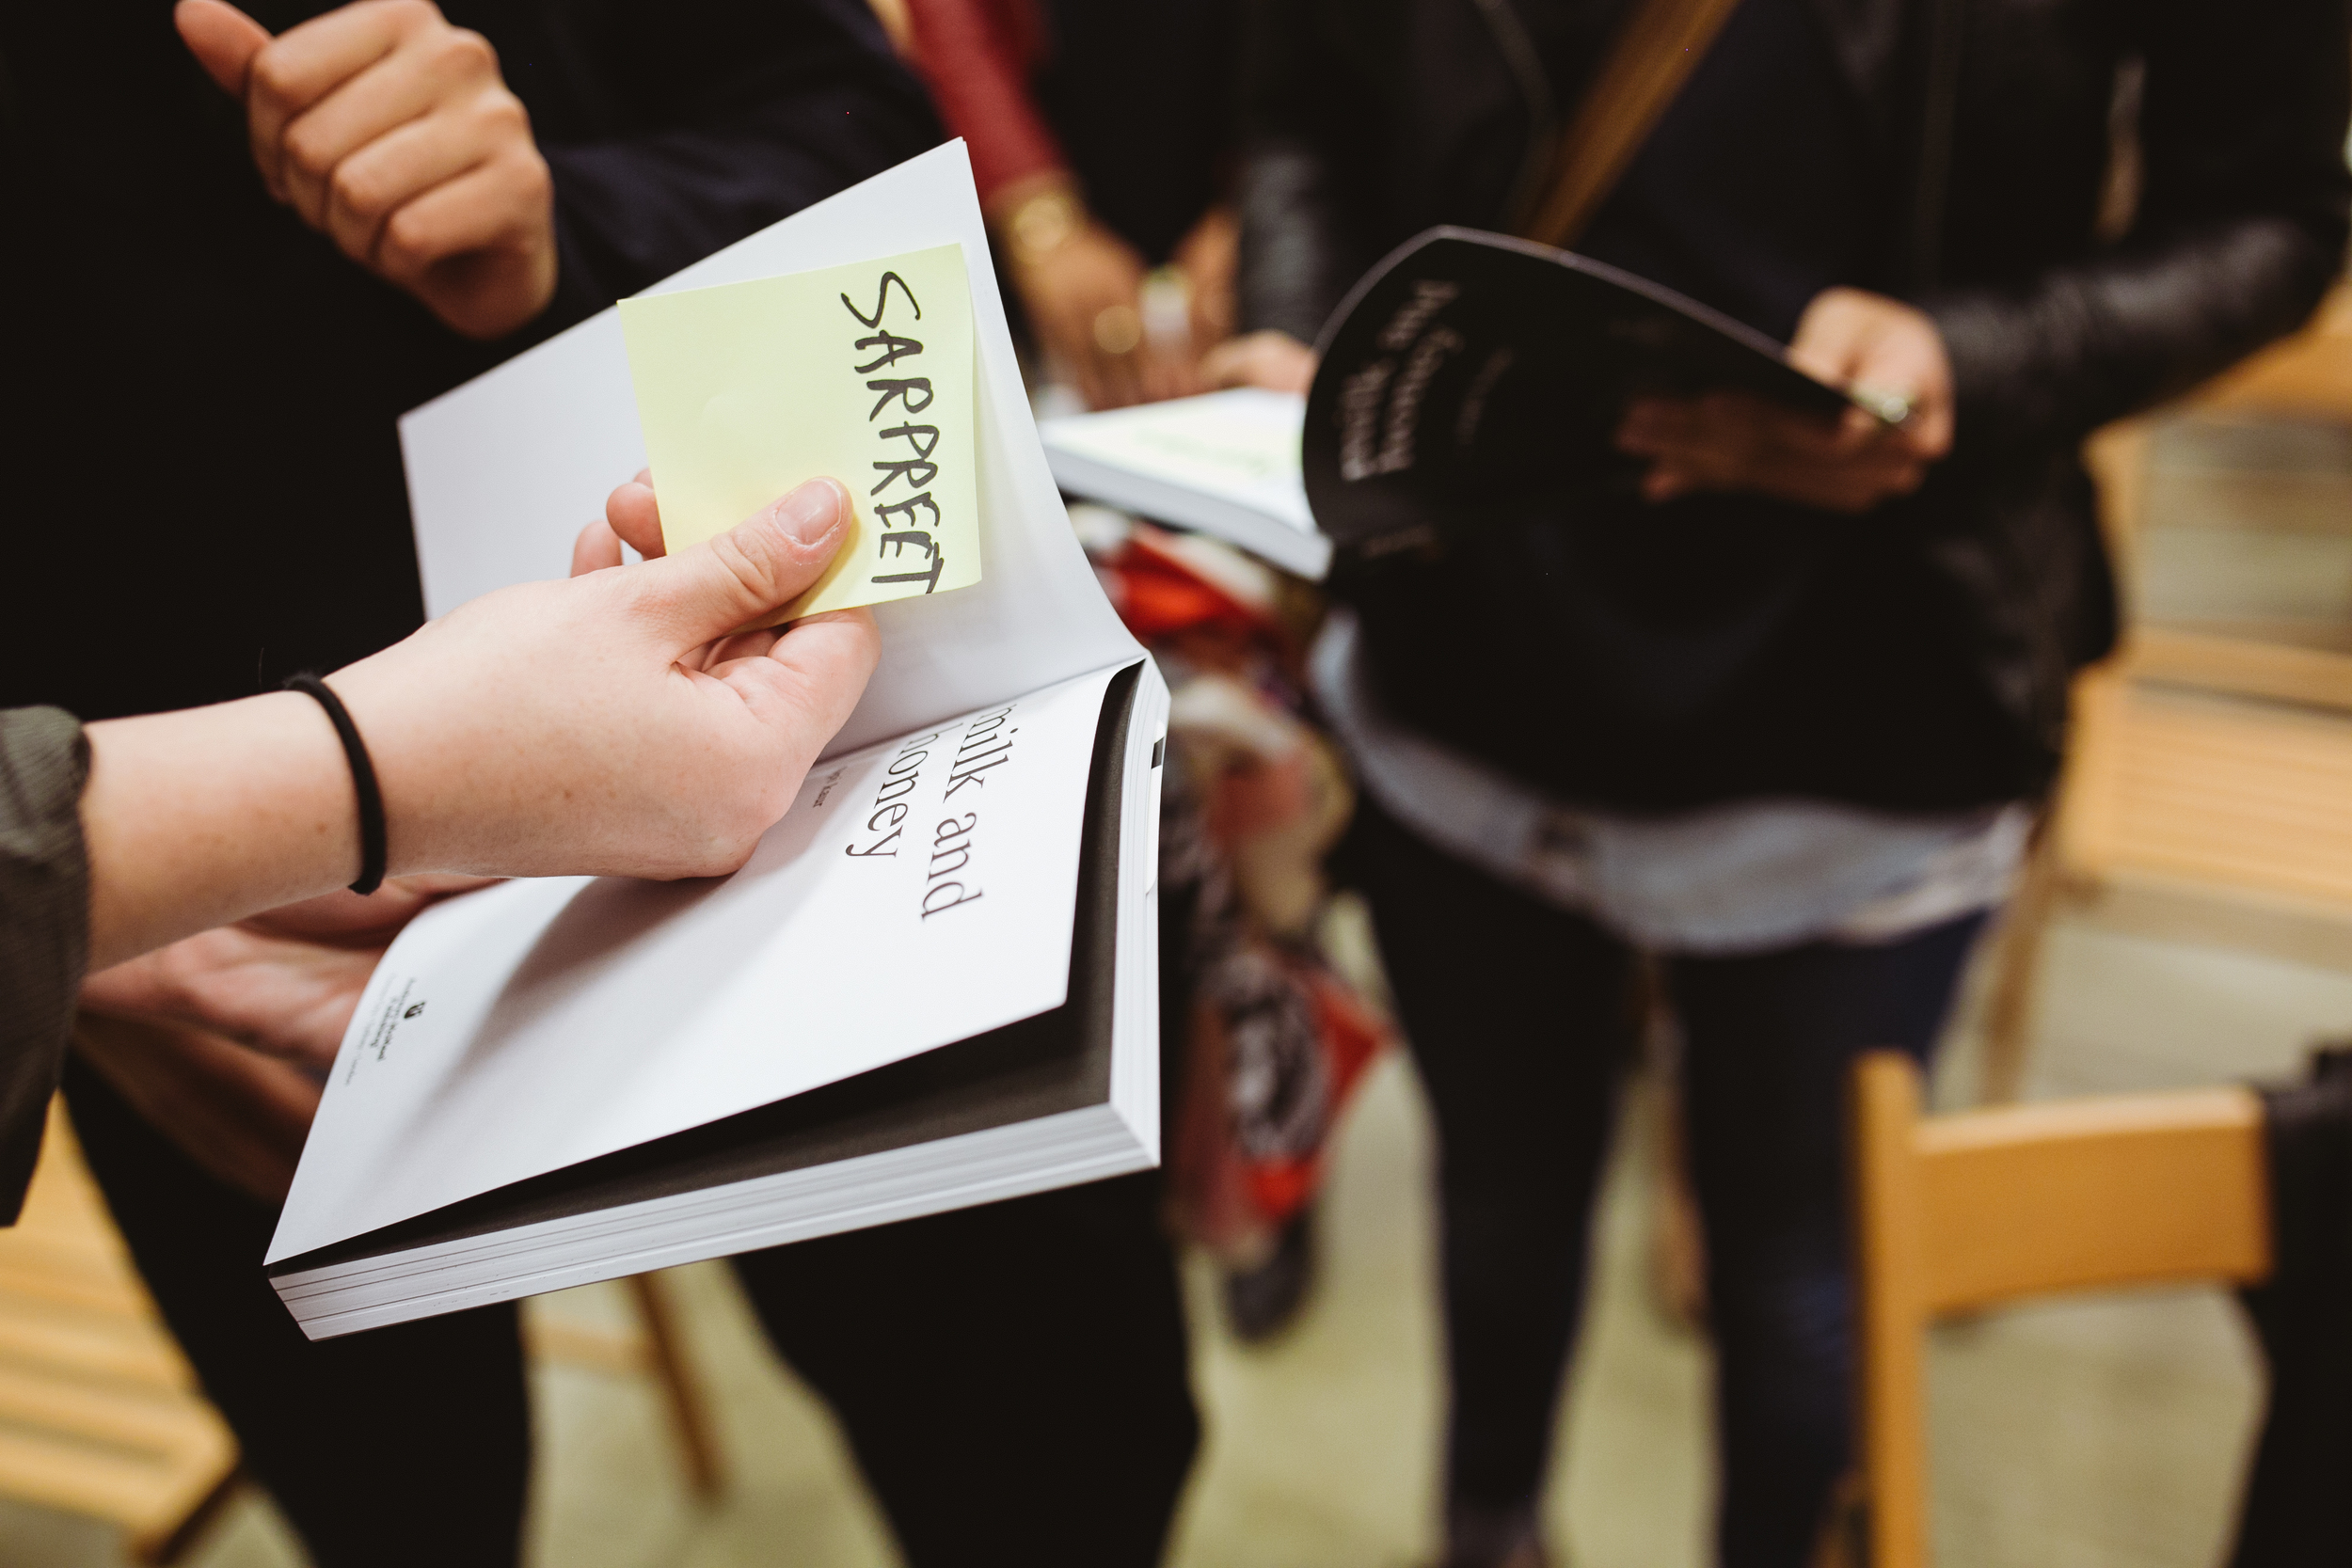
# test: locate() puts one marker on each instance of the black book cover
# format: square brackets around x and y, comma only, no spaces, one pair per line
[1470,370]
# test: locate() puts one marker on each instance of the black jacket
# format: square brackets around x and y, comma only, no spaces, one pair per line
[1370,119]
[208,491]
[2298,1508]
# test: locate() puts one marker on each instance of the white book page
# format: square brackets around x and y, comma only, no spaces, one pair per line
[1240,446]
[919,891]
[504,471]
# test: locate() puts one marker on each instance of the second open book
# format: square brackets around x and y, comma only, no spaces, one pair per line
[934,984]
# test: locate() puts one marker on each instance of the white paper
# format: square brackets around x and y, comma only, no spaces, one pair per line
[504,471]
[539,1023]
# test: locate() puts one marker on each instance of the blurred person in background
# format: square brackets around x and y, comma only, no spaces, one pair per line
[1100,138]
[250,243]
[1101,142]
[1776,706]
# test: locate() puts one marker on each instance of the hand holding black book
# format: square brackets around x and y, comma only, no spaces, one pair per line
[1469,371]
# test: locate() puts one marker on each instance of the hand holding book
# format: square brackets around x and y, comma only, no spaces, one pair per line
[746,715]
[546,727]
[541,729]
[1735,440]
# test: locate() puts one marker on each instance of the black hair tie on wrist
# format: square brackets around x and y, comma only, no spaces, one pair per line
[362,780]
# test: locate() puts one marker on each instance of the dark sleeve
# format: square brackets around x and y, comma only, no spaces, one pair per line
[972,57]
[44,925]
[1299,250]
[714,119]
[2239,232]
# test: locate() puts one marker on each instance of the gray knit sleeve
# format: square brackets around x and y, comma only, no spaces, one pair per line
[44,925]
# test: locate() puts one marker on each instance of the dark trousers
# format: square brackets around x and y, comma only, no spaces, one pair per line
[1520,1020]
[1014,1378]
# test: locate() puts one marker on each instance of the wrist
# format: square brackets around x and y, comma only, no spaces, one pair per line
[198,818]
[367,794]
[1034,217]
[410,750]
[466,776]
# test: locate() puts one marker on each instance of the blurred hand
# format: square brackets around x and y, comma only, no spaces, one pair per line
[1082,286]
[1209,256]
[239,1115]
[1084,298]
[282,983]
[392,132]
[1732,441]
[1273,360]
[223,1040]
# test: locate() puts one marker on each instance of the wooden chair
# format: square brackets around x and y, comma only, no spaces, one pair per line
[2180,788]
[1955,1213]
[101,1415]
[654,1346]
[2189,815]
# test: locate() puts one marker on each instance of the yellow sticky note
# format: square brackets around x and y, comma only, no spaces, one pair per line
[861,371]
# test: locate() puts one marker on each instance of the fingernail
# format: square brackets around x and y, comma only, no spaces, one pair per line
[809,513]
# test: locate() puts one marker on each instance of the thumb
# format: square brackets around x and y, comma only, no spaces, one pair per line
[223,39]
[1832,335]
[741,578]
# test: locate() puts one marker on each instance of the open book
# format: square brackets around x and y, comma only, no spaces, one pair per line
[1468,372]
[1465,371]
[934,984]
[1225,464]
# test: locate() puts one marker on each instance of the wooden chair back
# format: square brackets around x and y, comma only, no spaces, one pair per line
[1961,1211]
[2171,788]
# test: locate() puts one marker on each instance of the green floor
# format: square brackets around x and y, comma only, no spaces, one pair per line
[2082,1435]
